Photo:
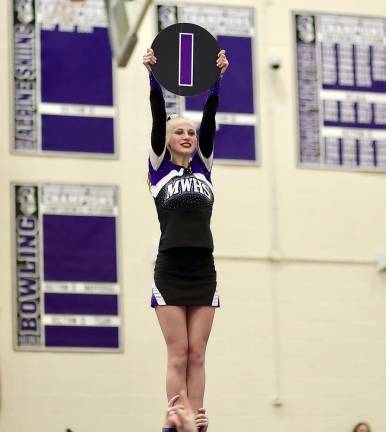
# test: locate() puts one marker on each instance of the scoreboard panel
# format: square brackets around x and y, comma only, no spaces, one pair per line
[341,77]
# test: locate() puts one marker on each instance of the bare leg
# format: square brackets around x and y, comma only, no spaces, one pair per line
[200,319]
[172,320]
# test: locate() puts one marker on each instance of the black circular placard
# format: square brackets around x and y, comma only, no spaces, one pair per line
[186,59]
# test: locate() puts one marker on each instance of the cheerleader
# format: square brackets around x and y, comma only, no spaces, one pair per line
[184,291]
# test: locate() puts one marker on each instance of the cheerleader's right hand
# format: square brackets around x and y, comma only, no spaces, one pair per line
[149,59]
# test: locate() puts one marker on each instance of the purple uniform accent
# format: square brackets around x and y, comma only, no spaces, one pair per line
[76,68]
[154,84]
[153,301]
[186,59]
[198,167]
[237,85]
[80,304]
[157,175]
[167,166]
[215,89]
[78,134]
[235,142]
[82,337]
[184,203]
[79,248]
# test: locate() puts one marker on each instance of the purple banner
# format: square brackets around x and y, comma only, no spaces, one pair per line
[79,248]
[228,135]
[81,337]
[64,80]
[100,129]
[75,304]
[234,29]
[73,71]
[67,291]
[237,85]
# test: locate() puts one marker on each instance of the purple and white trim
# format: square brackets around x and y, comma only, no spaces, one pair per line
[216,300]
[156,160]
[208,162]
[155,189]
[156,298]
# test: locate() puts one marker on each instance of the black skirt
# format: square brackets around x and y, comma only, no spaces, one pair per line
[185,277]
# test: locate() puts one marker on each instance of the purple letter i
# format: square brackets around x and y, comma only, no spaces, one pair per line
[185,63]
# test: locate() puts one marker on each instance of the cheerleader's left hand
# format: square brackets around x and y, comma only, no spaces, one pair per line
[222,61]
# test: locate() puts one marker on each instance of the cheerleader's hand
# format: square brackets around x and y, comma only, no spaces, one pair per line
[222,61]
[149,59]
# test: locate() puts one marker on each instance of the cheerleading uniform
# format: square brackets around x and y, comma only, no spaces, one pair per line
[184,273]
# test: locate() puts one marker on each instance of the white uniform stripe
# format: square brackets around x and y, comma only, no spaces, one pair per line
[208,162]
[204,179]
[158,295]
[155,160]
[174,173]
[215,301]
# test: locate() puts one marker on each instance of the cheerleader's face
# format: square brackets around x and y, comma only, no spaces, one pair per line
[181,136]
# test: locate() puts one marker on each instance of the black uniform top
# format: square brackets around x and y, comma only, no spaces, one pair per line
[183,196]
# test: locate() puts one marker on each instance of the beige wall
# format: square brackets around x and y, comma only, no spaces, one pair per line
[303,307]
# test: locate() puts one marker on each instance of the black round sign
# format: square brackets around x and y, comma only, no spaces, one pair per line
[186,59]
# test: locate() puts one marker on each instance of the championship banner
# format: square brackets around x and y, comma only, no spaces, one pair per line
[66,283]
[237,123]
[341,75]
[63,78]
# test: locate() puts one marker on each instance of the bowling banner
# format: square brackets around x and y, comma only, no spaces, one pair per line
[237,134]
[341,91]
[63,79]
[66,290]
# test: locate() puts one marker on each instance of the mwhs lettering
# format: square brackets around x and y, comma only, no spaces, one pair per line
[188,185]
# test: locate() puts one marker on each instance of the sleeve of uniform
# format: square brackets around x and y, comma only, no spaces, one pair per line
[208,126]
[158,131]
